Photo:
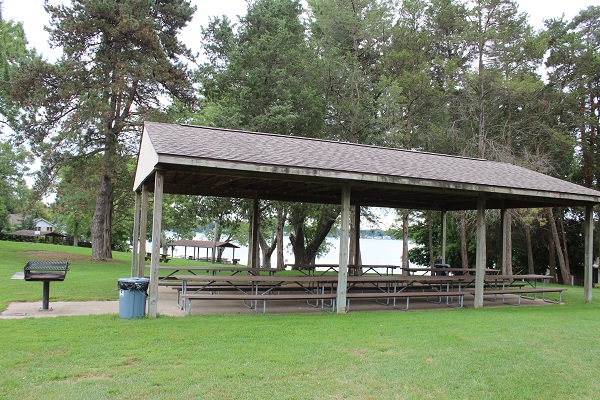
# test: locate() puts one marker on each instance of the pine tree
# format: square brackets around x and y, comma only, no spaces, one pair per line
[121,61]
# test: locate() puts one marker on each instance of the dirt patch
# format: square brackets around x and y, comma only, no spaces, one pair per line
[58,256]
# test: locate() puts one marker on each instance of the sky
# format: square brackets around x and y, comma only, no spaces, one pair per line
[33,16]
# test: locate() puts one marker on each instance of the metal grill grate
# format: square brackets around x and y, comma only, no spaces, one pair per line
[46,272]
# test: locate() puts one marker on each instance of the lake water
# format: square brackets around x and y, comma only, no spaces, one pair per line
[373,251]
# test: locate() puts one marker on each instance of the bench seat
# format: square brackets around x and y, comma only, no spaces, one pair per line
[406,295]
[521,292]
[255,298]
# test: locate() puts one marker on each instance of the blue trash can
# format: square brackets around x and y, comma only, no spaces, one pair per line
[132,297]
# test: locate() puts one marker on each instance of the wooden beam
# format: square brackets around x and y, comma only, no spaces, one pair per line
[588,232]
[255,241]
[135,235]
[357,258]
[443,245]
[159,179]
[344,251]
[480,253]
[369,179]
[143,232]
[503,227]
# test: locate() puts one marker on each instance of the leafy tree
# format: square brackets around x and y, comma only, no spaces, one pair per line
[13,52]
[574,68]
[75,186]
[501,44]
[121,60]
[13,189]
[263,76]
[350,37]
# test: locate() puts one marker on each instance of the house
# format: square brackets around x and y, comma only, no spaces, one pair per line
[44,226]
[41,225]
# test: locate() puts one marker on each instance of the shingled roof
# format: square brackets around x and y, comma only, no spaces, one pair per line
[223,162]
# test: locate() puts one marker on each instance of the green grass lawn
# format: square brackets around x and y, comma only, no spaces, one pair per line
[550,352]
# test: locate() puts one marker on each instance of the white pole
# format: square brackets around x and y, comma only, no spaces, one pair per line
[588,253]
[503,255]
[480,253]
[143,232]
[344,251]
[159,179]
[135,236]
[443,247]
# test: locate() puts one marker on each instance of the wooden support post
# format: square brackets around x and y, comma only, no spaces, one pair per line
[405,242]
[255,241]
[344,251]
[135,235]
[443,244]
[214,246]
[159,179]
[143,232]
[357,259]
[588,253]
[480,253]
[503,224]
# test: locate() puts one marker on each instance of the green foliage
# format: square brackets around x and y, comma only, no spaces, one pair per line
[261,77]
[122,59]
[574,65]
[350,38]
[13,52]
[13,189]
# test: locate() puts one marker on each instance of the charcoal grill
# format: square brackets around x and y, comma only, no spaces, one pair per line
[46,272]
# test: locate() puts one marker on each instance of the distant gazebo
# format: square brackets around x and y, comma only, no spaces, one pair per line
[196,245]
[36,234]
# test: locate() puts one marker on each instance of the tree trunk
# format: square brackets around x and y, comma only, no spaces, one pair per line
[354,247]
[561,219]
[552,260]
[530,266]
[280,226]
[508,256]
[405,242]
[564,272]
[306,255]
[102,221]
[76,234]
[267,251]
[481,98]
[464,255]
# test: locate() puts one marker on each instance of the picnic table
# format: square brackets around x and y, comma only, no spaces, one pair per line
[384,289]
[320,288]
[161,257]
[193,270]
[311,269]
[254,288]
[445,270]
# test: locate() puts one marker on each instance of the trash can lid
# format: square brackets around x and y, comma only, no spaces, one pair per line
[134,280]
[133,283]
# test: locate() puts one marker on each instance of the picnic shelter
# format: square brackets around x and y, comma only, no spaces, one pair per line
[204,161]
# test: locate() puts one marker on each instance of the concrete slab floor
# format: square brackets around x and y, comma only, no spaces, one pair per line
[167,305]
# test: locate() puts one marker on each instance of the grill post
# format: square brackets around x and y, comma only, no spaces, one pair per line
[46,297]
